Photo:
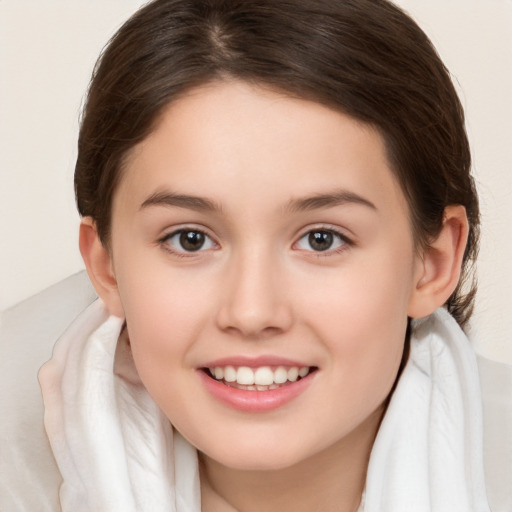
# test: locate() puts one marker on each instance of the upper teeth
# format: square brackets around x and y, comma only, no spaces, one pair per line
[262,376]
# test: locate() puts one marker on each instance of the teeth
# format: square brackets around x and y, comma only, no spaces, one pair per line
[281,375]
[293,374]
[245,376]
[303,371]
[262,378]
[229,374]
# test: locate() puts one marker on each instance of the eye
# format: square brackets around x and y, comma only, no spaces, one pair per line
[321,240]
[188,240]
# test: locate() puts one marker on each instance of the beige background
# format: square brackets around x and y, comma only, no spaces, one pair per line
[47,51]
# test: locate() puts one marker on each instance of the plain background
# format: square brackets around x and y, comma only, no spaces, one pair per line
[47,52]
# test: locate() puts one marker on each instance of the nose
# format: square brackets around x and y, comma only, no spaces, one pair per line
[254,300]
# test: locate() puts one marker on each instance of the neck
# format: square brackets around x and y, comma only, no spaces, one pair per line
[332,480]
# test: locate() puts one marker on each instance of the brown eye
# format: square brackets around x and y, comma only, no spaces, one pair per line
[321,240]
[192,240]
[188,240]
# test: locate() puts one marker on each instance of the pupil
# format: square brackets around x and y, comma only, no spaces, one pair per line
[191,240]
[320,240]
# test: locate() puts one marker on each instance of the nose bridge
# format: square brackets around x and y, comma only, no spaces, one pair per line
[254,301]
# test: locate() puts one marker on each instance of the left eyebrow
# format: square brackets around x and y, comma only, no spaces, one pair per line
[189,202]
[338,198]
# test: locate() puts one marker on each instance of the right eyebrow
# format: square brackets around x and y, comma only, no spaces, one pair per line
[166,198]
[328,200]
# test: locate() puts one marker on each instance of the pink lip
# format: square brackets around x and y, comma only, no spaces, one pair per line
[255,401]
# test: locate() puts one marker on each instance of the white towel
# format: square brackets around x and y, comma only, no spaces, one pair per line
[428,455]
[117,452]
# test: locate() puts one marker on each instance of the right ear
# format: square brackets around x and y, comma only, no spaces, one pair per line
[98,262]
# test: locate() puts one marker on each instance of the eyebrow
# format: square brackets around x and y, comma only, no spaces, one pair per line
[204,204]
[338,198]
[182,201]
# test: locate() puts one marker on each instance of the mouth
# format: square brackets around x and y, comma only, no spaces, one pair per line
[262,378]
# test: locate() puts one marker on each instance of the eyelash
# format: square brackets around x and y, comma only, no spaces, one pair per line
[344,242]
[183,253]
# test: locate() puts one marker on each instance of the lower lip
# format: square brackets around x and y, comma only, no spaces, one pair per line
[255,401]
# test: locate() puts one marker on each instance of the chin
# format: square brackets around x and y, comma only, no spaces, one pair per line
[265,456]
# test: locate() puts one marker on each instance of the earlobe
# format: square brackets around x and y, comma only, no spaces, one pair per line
[98,263]
[439,266]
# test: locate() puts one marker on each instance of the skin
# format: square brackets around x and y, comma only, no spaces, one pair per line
[258,287]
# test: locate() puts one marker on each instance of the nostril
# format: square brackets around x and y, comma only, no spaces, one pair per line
[255,307]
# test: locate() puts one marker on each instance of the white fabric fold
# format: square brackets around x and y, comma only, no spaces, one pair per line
[117,452]
[428,453]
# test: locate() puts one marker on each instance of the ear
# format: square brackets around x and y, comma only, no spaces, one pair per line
[98,262]
[439,264]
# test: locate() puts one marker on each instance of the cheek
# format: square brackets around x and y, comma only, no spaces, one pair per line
[162,330]
[366,300]
[165,313]
[365,358]
[362,319]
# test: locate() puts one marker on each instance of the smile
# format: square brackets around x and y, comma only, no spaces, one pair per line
[263,378]
[256,386]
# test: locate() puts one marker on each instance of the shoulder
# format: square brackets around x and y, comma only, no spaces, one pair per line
[496,385]
[29,477]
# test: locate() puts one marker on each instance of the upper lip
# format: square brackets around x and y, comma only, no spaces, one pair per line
[255,362]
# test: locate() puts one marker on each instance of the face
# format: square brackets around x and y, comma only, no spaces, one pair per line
[265,264]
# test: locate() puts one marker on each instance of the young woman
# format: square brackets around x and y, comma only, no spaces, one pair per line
[276,200]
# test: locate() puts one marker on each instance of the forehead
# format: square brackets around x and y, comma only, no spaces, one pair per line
[236,143]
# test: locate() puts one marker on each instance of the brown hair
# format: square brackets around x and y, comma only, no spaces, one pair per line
[366,58]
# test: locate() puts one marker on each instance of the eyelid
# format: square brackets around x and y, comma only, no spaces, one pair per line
[336,231]
[176,230]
